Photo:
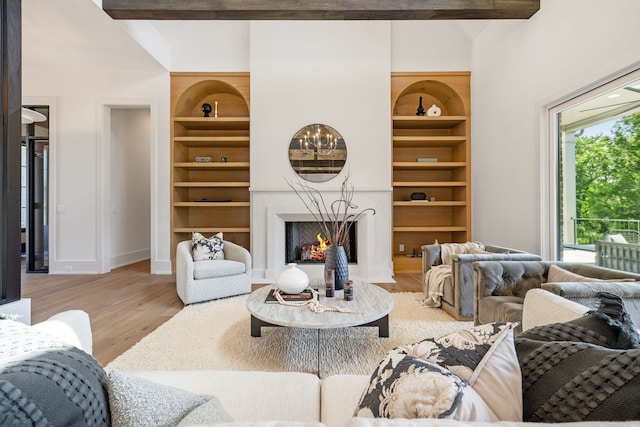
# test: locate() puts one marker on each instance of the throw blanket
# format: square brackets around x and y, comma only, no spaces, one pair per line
[433,286]
[436,277]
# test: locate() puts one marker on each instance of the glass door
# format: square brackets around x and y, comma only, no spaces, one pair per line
[36,192]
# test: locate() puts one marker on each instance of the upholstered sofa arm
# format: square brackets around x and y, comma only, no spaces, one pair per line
[430,256]
[184,268]
[71,326]
[236,252]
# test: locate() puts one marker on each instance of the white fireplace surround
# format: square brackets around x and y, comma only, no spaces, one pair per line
[272,209]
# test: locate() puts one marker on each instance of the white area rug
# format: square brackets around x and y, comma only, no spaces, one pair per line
[217,335]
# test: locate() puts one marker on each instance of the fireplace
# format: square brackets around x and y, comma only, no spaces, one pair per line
[304,243]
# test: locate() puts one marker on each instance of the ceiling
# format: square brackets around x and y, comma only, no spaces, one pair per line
[59,36]
[607,106]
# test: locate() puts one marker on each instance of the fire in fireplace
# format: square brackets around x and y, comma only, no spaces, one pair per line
[304,243]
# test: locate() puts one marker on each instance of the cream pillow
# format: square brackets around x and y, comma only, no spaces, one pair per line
[557,274]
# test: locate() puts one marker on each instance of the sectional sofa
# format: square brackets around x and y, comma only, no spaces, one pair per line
[273,399]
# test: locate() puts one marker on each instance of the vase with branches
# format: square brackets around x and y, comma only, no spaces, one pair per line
[335,219]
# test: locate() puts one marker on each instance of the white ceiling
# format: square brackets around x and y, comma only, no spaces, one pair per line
[77,36]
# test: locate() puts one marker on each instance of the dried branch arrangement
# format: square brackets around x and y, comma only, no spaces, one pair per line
[335,218]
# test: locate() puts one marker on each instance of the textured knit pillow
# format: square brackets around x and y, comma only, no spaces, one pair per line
[587,369]
[46,382]
[203,248]
[565,381]
[483,356]
[608,326]
[138,402]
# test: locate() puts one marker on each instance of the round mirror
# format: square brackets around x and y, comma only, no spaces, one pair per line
[317,152]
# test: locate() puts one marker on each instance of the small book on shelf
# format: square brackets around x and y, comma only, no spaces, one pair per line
[302,296]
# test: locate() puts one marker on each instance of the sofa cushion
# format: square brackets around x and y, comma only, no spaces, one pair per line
[501,309]
[203,248]
[483,356]
[137,401]
[208,269]
[44,381]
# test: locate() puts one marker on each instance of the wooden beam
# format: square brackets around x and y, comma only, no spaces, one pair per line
[10,137]
[320,9]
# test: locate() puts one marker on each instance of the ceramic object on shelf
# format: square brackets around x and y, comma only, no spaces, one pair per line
[420,110]
[434,111]
[292,280]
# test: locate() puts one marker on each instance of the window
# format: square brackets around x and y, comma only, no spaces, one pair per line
[597,177]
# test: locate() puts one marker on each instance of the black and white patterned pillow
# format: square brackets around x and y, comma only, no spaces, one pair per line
[408,387]
[203,248]
[483,357]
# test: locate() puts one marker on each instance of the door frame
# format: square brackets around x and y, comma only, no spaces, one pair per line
[51,102]
[103,181]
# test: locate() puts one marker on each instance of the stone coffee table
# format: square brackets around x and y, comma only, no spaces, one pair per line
[370,307]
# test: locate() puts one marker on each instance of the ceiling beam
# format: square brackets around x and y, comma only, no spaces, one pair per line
[320,9]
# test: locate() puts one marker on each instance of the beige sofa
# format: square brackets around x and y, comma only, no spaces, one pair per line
[501,286]
[457,298]
[290,399]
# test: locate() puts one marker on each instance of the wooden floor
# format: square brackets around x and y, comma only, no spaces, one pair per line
[126,304]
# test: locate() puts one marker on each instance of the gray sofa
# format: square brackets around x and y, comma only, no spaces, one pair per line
[457,298]
[500,287]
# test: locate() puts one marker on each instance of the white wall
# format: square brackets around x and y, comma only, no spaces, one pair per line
[130,186]
[335,73]
[78,56]
[517,69]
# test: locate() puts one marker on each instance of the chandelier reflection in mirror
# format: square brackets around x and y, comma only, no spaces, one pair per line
[315,141]
[317,152]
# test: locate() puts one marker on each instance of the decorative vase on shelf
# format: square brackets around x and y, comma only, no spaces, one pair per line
[336,259]
[420,110]
[292,280]
[434,111]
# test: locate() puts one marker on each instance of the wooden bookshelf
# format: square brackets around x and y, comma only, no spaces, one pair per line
[445,139]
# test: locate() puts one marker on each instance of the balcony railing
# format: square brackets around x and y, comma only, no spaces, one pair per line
[588,230]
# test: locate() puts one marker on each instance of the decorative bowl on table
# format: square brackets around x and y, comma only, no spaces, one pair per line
[292,280]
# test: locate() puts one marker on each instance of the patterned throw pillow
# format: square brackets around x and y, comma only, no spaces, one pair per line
[483,358]
[203,248]
[587,369]
[138,402]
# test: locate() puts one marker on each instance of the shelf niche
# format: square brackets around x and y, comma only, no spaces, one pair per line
[210,196]
[446,138]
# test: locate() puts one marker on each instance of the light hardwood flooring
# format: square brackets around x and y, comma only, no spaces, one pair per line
[127,303]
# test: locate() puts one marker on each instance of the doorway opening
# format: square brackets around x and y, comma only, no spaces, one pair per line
[35,192]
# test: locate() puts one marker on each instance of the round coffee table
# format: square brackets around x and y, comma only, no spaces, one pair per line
[370,307]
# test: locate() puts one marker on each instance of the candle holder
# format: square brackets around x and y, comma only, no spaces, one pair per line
[329,282]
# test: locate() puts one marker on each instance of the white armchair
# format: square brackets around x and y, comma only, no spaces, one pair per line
[212,279]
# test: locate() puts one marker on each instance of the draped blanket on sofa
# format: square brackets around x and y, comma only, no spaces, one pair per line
[437,276]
